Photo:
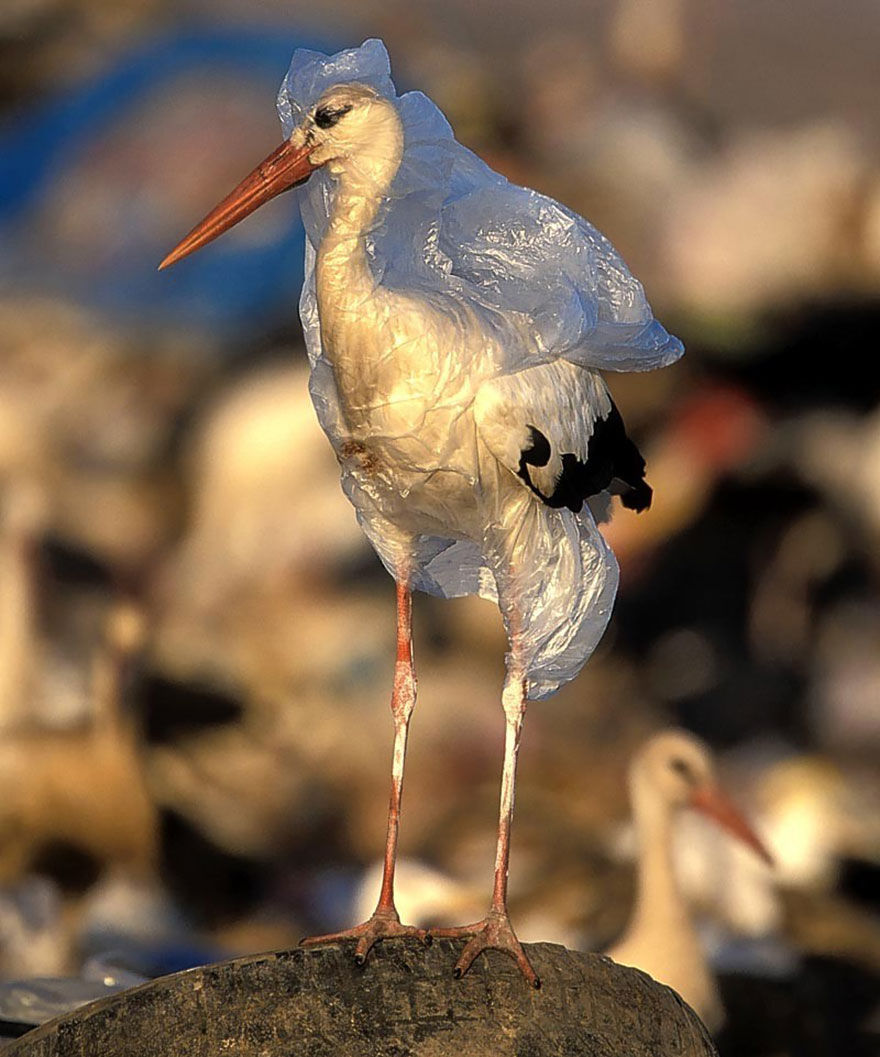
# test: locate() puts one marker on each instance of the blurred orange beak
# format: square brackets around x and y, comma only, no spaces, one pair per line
[284,168]
[713,802]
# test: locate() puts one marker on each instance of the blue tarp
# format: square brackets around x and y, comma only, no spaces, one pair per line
[230,288]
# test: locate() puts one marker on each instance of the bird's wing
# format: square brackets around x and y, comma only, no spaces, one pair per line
[451,222]
[526,252]
[556,427]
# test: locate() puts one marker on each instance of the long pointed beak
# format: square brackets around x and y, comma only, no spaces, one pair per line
[712,801]
[284,168]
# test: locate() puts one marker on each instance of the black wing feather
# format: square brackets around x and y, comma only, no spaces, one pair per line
[613,463]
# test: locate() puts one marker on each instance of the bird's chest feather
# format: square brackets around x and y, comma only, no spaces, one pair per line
[405,385]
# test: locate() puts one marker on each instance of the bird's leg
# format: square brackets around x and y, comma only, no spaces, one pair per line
[495,930]
[385,921]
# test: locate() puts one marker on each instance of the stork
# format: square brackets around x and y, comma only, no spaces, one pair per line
[455,325]
[671,772]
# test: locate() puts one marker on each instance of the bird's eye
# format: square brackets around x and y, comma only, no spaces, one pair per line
[327,116]
[682,768]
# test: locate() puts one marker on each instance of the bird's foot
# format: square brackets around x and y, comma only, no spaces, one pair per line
[494,932]
[384,924]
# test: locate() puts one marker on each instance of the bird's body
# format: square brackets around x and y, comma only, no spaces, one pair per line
[661,938]
[455,333]
[455,326]
[405,434]
[416,433]
[672,771]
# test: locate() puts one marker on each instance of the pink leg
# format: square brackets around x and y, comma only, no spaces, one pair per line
[385,921]
[495,930]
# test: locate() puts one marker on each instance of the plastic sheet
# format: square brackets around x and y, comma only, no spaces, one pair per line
[27,1003]
[485,310]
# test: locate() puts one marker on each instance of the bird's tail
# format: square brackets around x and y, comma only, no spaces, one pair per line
[637,496]
[551,571]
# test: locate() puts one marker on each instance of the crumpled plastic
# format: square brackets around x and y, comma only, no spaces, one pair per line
[24,1004]
[550,288]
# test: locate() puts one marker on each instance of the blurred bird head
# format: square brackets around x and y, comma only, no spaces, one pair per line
[352,130]
[675,770]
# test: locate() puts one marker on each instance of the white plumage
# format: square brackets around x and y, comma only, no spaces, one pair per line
[671,772]
[455,324]
[490,306]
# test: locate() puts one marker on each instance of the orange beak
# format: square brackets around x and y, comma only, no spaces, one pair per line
[284,168]
[713,802]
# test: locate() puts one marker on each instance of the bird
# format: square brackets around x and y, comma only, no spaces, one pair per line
[672,771]
[456,325]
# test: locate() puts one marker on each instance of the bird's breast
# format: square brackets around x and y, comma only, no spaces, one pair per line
[404,377]
[406,381]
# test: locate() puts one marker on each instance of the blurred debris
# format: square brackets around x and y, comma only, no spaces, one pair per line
[767,222]
[423,896]
[89,411]
[34,939]
[647,37]
[74,801]
[21,524]
[266,505]
[816,814]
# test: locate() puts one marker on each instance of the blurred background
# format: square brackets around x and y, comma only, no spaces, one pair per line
[196,643]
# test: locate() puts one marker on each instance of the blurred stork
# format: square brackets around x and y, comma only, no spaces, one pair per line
[673,771]
[455,325]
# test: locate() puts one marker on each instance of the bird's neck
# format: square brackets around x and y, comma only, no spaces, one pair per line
[659,901]
[344,277]
[343,269]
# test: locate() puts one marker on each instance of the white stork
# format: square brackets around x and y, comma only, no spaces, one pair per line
[671,772]
[455,325]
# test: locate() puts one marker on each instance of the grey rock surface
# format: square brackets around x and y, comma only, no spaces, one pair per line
[405,1001]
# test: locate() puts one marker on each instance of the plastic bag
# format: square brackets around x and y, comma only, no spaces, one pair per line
[502,272]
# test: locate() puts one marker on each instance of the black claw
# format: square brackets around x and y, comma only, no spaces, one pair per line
[428,940]
[360,959]
[456,972]
[537,984]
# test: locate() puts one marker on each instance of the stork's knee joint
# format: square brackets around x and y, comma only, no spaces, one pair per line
[513,698]
[403,698]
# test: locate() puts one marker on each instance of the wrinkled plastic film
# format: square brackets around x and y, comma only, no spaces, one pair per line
[450,217]
[503,272]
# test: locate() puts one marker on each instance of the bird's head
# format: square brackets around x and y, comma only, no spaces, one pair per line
[351,130]
[675,770]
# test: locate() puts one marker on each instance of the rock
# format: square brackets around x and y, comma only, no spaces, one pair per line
[405,1001]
